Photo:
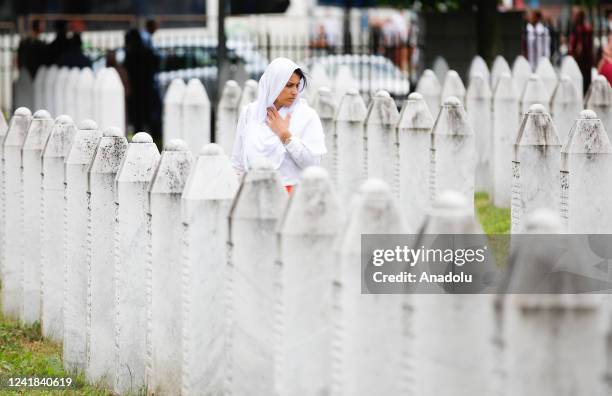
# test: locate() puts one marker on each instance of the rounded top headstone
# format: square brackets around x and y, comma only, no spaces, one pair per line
[112,132]
[382,94]
[542,220]
[352,91]
[176,145]
[374,186]
[452,101]
[314,173]
[537,108]
[23,111]
[42,114]
[588,114]
[62,119]
[232,84]
[142,137]
[450,199]
[415,96]
[88,124]
[211,149]
[452,73]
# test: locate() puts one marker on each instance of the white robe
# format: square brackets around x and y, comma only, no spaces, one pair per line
[255,140]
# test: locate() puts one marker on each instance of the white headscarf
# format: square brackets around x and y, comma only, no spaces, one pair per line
[260,140]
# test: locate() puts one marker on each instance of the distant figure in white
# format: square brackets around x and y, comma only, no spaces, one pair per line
[279,126]
[538,39]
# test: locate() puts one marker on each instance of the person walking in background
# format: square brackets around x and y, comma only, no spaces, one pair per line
[32,51]
[154,115]
[74,56]
[537,39]
[60,44]
[280,126]
[581,46]
[605,64]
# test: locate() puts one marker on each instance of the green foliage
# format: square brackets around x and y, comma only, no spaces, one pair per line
[24,353]
[493,220]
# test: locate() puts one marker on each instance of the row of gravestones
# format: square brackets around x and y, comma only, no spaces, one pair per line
[128,259]
[79,92]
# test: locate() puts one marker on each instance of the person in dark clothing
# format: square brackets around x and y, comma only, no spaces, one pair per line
[73,56]
[581,46]
[60,44]
[142,65]
[31,53]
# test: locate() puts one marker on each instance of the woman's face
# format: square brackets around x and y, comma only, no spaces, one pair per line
[289,93]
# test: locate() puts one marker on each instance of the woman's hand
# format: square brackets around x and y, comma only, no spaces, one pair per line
[278,124]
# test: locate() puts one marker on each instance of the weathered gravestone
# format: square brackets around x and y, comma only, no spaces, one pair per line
[52,259]
[535,167]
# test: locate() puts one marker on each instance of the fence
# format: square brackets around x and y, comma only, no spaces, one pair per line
[207,305]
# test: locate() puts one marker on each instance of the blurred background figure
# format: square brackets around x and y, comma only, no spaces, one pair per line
[31,53]
[605,64]
[60,44]
[73,55]
[581,45]
[537,38]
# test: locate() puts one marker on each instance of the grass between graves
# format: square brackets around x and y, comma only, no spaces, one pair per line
[24,352]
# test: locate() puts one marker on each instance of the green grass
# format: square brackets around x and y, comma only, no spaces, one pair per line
[493,220]
[24,353]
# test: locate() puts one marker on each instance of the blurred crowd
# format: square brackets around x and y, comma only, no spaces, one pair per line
[137,68]
[543,38]
[66,49]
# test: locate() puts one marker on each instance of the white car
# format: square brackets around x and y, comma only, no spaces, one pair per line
[370,73]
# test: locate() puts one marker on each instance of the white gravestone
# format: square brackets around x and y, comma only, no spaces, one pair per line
[49,89]
[546,334]
[565,105]
[453,86]
[350,135]
[206,203]
[39,87]
[535,167]
[307,262]
[429,87]
[173,110]
[249,94]
[77,258]
[324,103]
[318,79]
[500,66]
[23,90]
[110,100]
[3,130]
[71,93]
[599,99]
[534,92]
[132,244]
[164,273]
[440,68]
[505,130]
[344,82]
[414,138]
[85,95]
[548,75]
[521,70]
[479,67]
[570,68]
[445,355]
[34,142]
[478,107]
[370,356]
[12,295]
[227,115]
[196,116]
[60,93]
[453,152]
[586,174]
[254,217]
[101,229]
[52,232]
[381,140]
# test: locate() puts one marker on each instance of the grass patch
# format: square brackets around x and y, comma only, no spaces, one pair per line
[25,353]
[493,220]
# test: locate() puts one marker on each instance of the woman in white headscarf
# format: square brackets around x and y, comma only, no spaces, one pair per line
[279,126]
